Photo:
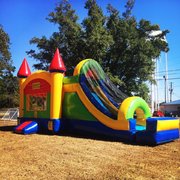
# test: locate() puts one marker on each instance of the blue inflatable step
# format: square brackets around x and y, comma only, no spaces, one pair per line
[154,138]
[159,130]
[27,127]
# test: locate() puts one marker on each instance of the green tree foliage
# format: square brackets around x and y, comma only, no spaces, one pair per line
[122,45]
[66,39]
[130,56]
[96,38]
[5,56]
[8,83]
[129,6]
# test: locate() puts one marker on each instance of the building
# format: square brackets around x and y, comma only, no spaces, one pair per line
[171,108]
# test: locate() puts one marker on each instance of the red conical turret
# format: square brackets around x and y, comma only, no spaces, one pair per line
[24,70]
[57,64]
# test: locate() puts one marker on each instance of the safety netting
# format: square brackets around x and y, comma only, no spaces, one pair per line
[99,89]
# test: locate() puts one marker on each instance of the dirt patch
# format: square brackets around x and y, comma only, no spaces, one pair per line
[82,157]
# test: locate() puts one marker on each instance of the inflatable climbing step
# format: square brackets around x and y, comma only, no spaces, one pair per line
[27,127]
[159,130]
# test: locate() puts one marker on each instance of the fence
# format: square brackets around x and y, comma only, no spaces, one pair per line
[11,114]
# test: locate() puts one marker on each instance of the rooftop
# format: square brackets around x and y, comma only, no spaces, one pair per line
[177,102]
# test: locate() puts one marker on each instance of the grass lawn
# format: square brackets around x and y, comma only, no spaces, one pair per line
[73,156]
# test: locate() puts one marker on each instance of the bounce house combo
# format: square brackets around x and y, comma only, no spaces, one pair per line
[86,101]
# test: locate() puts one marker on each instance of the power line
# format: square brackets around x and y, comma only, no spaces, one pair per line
[173,78]
[172,70]
[172,73]
[169,74]
[167,78]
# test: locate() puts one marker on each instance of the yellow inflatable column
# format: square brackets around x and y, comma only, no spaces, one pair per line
[56,95]
[23,73]
[21,97]
[57,70]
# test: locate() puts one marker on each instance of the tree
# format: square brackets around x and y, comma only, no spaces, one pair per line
[96,38]
[133,50]
[129,6]
[8,83]
[67,39]
[123,46]
[5,56]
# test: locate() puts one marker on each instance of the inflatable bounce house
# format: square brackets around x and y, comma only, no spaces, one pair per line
[86,101]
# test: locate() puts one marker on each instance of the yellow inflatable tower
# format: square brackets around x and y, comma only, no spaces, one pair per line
[57,70]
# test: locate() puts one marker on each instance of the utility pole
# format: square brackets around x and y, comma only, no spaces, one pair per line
[157,84]
[166,61]
[171,91]
[165,88]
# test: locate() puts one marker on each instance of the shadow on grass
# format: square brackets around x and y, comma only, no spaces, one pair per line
[75,134]
[7,128]
[95,136]
[108,138]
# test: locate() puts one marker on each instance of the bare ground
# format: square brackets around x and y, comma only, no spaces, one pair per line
[83,157]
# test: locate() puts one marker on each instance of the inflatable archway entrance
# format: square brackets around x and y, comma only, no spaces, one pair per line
[132,105]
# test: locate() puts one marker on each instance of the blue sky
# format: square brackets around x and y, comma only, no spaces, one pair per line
[24,19]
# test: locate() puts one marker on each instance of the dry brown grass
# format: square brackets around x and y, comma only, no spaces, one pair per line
[67,157]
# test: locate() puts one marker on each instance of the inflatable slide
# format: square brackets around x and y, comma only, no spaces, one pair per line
[87,101]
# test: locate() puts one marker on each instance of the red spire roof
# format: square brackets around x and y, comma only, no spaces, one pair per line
[24,70]
[57,64]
